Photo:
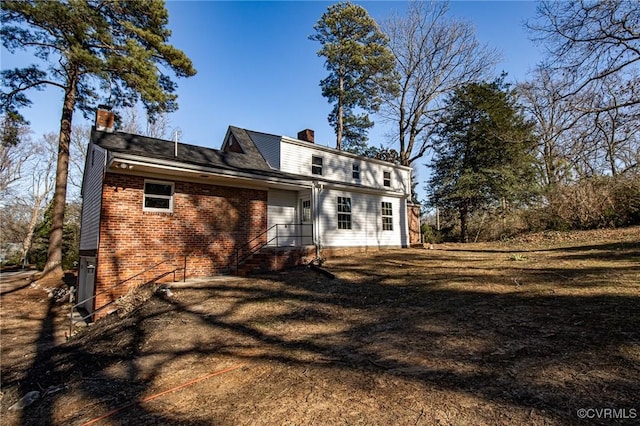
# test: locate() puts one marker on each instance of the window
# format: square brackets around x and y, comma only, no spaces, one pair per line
[356,171]
[158,196]
[344,213]
[316,165]
[387,216]
[306,211]
[386,178]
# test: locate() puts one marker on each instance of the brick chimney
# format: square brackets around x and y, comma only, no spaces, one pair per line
[306,135]
[105,119]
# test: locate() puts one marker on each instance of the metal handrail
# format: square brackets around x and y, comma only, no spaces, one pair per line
[241,258]
[84,318]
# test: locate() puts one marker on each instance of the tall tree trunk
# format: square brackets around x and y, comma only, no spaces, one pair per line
[53,267]
[33,222]
[340,117]
[464,231]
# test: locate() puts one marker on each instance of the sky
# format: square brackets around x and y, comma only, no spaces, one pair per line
[257,68]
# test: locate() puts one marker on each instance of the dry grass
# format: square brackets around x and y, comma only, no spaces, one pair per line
[523,332]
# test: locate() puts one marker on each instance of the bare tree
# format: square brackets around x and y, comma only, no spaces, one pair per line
[579,135]
[80,136]
[40,188]
[132,121]
[434,55]
[616,130]
[591,41]
[555,118]
[159,127]
[14,153]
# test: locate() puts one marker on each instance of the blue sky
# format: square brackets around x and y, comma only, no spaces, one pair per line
[257,69]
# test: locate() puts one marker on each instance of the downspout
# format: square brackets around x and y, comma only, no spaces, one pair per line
[315,218]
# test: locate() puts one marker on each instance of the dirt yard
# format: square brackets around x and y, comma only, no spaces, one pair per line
[544,330]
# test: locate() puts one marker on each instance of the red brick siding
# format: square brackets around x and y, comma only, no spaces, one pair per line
[414,224]
[277,259]
[208,223]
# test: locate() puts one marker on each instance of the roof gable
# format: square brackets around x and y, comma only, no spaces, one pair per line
[249,162]
[128,143]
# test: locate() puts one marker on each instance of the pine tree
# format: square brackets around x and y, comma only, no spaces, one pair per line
[89,48]
[361,69]
[484,154]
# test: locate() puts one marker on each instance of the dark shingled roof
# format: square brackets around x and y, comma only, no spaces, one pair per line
[250,161]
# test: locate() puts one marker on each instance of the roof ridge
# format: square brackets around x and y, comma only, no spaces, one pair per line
[263,133]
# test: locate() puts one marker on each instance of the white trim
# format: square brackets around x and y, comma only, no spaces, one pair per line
[384,216]
[314,165]
[356,165]
[158,196]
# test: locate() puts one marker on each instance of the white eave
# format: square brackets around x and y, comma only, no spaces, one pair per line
[141,165]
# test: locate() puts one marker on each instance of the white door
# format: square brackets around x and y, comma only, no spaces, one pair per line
[281,211]
[306,228]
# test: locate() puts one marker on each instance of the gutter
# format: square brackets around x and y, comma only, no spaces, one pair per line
[168,165]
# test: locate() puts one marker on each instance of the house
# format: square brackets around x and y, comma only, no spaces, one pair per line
[154,208]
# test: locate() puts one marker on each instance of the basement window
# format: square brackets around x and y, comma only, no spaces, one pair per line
[158,196]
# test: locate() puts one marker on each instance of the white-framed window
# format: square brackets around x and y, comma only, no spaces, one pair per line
[158,196]
[356,171]
[306,211]
[387,216]
[316,165]
[386,178]
[344,213]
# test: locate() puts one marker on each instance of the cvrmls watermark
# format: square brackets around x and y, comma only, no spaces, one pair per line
[607,413]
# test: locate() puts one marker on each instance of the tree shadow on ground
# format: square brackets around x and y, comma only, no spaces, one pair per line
[545,352]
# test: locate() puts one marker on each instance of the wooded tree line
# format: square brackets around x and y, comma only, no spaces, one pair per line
[560,150]
[27,181]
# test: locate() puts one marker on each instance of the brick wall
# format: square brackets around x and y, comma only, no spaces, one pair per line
[208,224]
[271,259]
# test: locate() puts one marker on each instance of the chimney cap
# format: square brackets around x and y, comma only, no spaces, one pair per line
[105,107]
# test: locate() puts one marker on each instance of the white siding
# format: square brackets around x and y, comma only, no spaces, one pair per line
[269,147]
[366,221]
[92,198]
[281,209]
[336,167]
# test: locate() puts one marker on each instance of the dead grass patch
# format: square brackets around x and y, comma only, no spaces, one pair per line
[462,334]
